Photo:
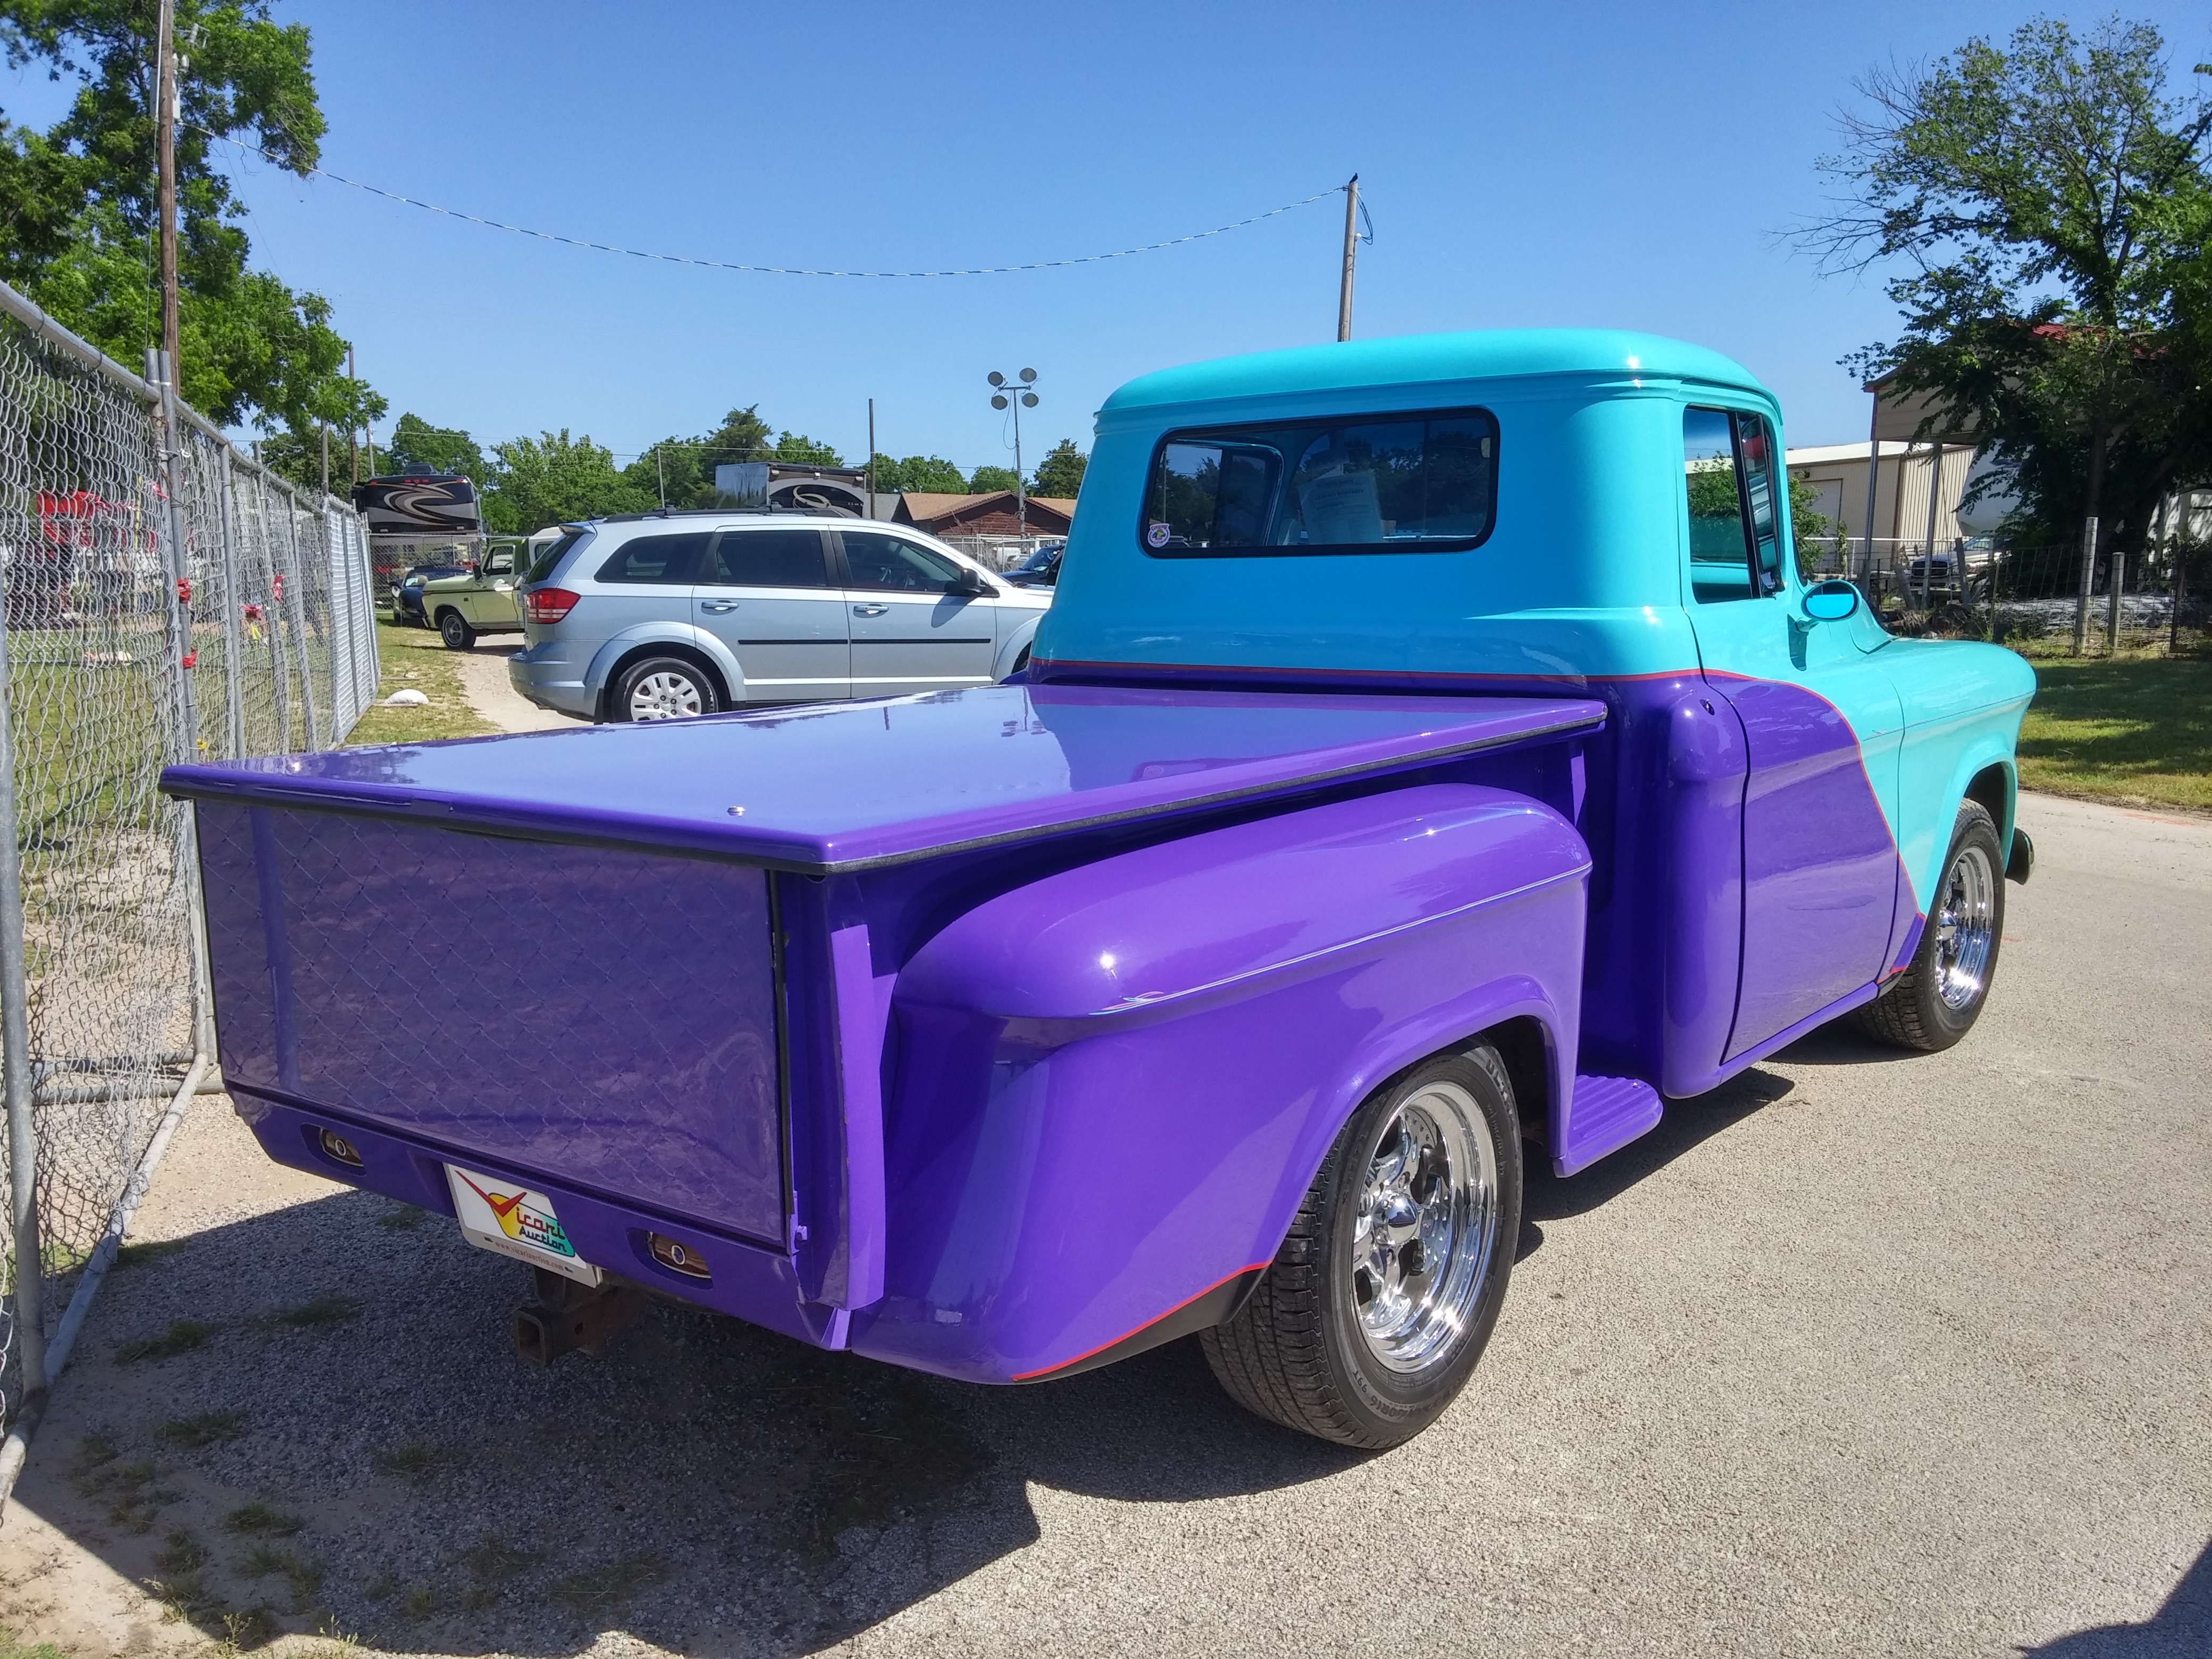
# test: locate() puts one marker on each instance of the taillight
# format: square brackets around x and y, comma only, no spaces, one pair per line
[548,605]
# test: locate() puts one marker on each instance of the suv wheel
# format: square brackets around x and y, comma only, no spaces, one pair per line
[664,689]
[454,628]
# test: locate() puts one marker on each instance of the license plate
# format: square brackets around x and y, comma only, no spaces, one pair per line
[508,1218]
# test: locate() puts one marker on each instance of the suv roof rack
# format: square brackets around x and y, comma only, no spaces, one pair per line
[724,512]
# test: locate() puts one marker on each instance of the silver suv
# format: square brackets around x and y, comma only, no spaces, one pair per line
[655,616]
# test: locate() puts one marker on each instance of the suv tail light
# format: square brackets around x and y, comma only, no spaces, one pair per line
[548,605]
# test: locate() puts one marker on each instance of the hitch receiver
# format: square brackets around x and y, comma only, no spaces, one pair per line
[568,1315]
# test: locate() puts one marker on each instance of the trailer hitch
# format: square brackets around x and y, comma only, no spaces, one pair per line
[568,1315]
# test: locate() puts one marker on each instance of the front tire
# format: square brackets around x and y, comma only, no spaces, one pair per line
[454,630]
[664,689]
[1383,1296]
[1936,1000]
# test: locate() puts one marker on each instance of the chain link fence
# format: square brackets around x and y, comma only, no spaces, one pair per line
[163,601]
[2155,598]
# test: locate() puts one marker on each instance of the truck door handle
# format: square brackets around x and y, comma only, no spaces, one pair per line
[715,607]
[870,610]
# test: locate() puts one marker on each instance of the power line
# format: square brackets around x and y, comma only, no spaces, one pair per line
[766,271]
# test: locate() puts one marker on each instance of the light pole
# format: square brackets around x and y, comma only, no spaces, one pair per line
[1017,397]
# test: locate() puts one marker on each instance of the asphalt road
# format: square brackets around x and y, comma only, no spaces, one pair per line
[1863,1354]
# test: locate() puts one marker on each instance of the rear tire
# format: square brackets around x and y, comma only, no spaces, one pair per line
[663,689]
[1384,1295]
[454,630]
[1936,1000]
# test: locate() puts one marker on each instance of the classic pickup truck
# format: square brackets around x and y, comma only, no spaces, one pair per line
[1434,761]
[478,601]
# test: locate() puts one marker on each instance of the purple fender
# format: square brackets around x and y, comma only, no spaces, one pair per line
[1115,1084]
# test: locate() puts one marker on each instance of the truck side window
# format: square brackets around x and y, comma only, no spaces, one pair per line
[768,558]
[1416,483]
[661,560]
[1727,470]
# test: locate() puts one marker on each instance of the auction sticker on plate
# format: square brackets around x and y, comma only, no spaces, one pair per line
[510,1219]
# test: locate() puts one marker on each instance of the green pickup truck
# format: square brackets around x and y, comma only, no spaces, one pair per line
[481,602]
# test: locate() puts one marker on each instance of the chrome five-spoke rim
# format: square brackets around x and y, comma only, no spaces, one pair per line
[1965,929]
[662,697]
[1427,1223]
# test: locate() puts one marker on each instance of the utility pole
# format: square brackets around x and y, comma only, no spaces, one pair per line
[165,141]
[660,476]
[872,458]
[353,432]
[1018,398]
[1351,255]
[325,426]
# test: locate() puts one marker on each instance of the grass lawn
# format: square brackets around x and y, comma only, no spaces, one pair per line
[413,657]
[2131,729]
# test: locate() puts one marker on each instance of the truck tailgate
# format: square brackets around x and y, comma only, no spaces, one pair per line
[597,1016]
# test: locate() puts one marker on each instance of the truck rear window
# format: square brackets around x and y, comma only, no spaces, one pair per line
[1423,482]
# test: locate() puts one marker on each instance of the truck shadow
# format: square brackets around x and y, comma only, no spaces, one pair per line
[314,1420]
[1686,1125]
[2181,1629]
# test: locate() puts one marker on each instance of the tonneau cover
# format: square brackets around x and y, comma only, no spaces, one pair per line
[853,786]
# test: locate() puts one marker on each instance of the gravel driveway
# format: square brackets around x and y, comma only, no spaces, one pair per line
[1864,1353]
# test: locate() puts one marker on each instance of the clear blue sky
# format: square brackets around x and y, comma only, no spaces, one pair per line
[1525,165]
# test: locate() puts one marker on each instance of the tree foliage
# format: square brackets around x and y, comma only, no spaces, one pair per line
[1060,472]
[930,474]
[77,201]
[553,477]
[2051,201]
[985,479]
[416,443]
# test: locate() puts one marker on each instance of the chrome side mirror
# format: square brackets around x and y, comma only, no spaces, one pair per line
[1831,601]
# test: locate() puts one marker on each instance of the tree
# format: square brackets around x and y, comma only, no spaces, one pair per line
[416,443]
[985,479]
[2053,202]
[553,478]
[793,446]
[1060,472]
[684,467]
[77,203]
[929,474]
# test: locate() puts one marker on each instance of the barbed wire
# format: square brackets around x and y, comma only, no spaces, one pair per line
[765,270]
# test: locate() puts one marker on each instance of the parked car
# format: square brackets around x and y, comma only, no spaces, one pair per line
[658,615]
[482,600]
[1041,568]
[1401,792]
[407,596]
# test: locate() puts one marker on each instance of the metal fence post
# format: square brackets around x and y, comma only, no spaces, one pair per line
[2113,604]
[298,604]
[2089,582]
[233,634]
[282,678]
[30,1329]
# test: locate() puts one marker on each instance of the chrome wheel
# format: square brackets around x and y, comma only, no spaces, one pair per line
[1965,929]
[664,695]
[1426,1226]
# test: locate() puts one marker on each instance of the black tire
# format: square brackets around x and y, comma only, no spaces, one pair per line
[454,630]
[676,687]
[1299,1352]
[1937,999]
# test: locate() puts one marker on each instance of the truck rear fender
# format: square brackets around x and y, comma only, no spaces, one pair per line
[1114,1085]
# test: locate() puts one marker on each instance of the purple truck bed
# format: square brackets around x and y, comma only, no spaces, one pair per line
[794,1038]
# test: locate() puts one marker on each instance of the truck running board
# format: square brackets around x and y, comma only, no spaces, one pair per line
[1606,1114]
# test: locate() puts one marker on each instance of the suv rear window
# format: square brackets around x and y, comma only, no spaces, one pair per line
[661,559]
[555,552]
[1424,483]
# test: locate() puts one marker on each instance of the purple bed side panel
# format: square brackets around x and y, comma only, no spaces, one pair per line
[604,1019]
[1114,1085]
